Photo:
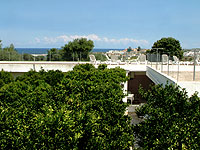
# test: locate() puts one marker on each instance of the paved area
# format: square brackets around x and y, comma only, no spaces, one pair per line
[134,118]
[184,75]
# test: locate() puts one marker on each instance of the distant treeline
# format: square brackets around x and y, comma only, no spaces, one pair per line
[10,54]
[77,50]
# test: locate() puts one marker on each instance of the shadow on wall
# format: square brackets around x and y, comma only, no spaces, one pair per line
[137,79]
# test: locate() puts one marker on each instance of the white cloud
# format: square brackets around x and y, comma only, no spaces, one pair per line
[63,38]
[50,40]
[94,37]
[37,40]
[126,40]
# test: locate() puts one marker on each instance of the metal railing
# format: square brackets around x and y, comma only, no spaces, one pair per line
[180,70]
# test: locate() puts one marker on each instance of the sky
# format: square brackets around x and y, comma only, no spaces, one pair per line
[109,23]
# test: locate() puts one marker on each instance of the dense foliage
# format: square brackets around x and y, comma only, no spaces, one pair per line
[171,47]
[81,109]
[55,55]
[5,78]
[78,49]
[10,54]
[171,119]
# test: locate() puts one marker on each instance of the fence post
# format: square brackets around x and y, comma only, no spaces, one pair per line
[168,66]
[157,60]
[161,64]
[194,64]
[178,72]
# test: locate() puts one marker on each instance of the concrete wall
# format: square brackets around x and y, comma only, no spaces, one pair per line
[19,67]
[27,66]
[158,77]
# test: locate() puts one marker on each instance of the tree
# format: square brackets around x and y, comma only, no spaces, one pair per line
[170,46]
[40,58]
[100,90]
[171,119]
[81,109]
[5,78]
[54,55]
[129,49]
[100,56]
[27,57]
[139,48]
[9,53]
[78,49]
[0,44]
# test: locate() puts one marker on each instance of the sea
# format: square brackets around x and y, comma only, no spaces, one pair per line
[45,50]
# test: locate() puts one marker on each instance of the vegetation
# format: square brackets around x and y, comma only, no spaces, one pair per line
[54,55]
[100,56]
[139,48]
[187,58]
[171,119]
[5,78]
[133,57]
[129,49]
[0,44]
[170,46]
[77,49]
[81,109]
[9,53]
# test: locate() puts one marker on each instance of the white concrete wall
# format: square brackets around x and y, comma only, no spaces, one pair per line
[37,65]
[158,77]
[131,67]
[25,66]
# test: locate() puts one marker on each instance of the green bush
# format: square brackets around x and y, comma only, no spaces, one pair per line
[171,119]
[5,78]
[81,109]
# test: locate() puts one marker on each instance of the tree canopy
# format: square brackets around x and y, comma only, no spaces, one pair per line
[171,119]
[81,109]
[78,49]
[54,55]
[139,48]
[170,46]
[0,44]
[5,78]
[9,53]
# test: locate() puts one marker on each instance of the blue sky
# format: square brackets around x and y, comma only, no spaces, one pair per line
[109,23]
